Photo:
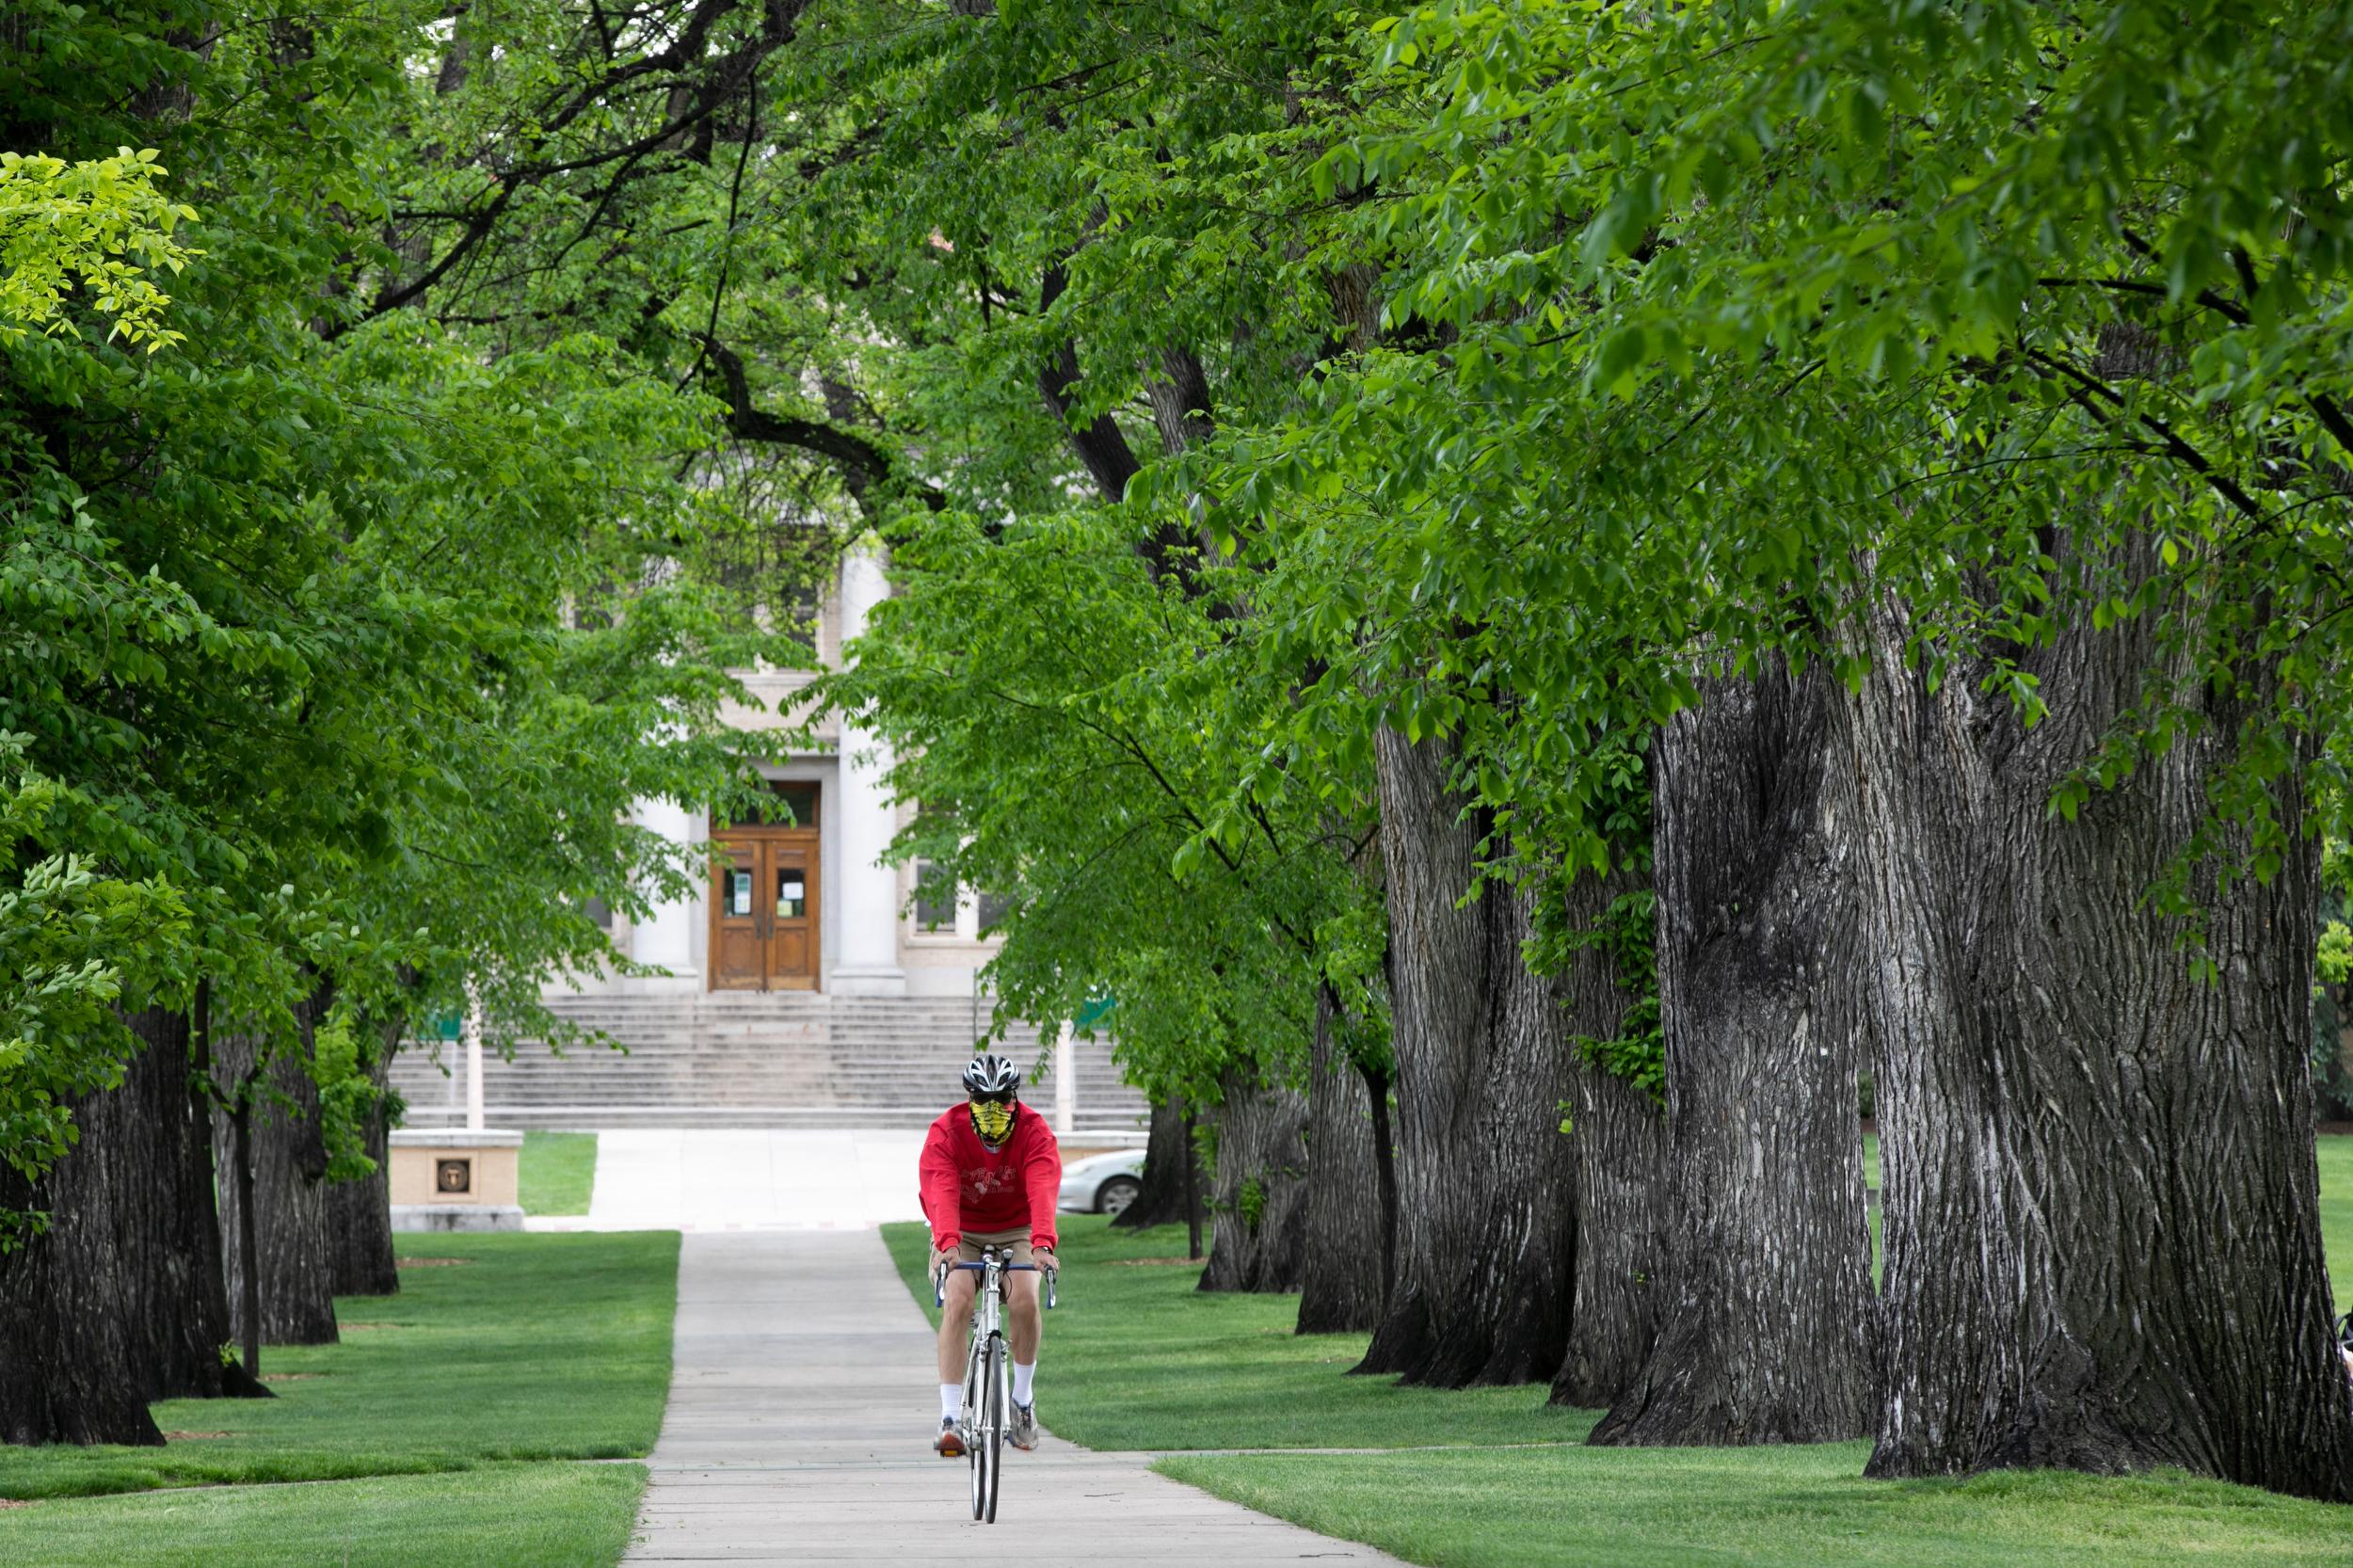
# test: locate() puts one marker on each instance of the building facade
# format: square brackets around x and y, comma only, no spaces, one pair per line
[807,907]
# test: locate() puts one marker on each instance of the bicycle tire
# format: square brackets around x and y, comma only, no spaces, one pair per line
[993,1375]
[975,1402]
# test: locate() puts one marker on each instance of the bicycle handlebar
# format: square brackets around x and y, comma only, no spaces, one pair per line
[939,1280]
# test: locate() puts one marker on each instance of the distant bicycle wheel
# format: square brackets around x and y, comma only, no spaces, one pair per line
[992,1436]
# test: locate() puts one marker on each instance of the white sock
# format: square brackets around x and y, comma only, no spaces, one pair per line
[1023,1377]
[951,1401]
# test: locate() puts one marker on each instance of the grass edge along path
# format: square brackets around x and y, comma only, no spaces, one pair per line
[1136,1359]
[557,1172]
[520,1515]
[1790,1506]
[447,1427]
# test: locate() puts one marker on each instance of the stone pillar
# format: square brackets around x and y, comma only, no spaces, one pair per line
[866,890]
[445,1179]
[473,1061]
[666,936]
[1065,1083]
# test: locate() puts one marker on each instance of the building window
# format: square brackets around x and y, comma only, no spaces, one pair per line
[795,803]
[934,898]
[993,908]
[798,800]
[601,912]
[803,615]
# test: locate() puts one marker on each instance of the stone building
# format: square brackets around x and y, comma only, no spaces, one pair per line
[809,906]
[808,984]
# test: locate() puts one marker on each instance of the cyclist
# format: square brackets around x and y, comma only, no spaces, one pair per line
[990,1172]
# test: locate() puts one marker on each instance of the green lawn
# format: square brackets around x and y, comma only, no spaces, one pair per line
[1762,1507]
[531,1347]
[502,1516]
[1136,1359]
[558,1172]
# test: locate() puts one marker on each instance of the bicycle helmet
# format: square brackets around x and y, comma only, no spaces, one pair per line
[990,1076]
[992,1082]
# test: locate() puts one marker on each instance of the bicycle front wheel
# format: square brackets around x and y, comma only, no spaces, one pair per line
[975,1421]
[992,1436]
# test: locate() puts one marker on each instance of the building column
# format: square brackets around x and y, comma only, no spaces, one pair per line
[666,935]
[868,890]
[1065,1082]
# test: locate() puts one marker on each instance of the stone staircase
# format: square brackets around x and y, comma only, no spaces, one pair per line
[754,1060]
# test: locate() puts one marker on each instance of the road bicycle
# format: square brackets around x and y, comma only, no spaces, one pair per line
[987,1371]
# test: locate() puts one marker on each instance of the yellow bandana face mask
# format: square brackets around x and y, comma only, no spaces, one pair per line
[993,1121]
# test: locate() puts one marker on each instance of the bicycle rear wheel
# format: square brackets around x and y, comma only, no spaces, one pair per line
[992,1438]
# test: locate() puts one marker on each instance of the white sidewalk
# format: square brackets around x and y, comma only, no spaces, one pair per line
[802,1408]
[723,1180]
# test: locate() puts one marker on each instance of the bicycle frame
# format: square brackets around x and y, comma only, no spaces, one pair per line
[986,1371]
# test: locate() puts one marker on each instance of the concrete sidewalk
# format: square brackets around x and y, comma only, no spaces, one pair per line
[733,1180]
[802,1407]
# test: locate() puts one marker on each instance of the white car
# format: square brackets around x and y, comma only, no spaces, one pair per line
[1102,1183]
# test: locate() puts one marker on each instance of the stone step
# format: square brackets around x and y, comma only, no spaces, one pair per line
[755,1060]
[599,1116]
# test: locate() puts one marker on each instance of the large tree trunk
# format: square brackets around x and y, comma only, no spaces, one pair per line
[1766,1334]
[1622,1184]
[156,1152]
[1258,1239]
[1484,1177]
[1342,1282]
[2103,1242]
[1622,1238]
[360,1214]
[289,1171]
[66,1372]
[1162,1200]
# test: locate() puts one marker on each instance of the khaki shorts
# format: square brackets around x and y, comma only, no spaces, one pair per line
[968,1245]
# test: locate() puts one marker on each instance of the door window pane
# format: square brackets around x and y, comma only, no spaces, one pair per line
[791,894]
[993,908]
[799,801]
[738,892]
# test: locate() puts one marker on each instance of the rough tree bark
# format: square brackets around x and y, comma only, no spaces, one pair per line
[2103,1244]
[289,1169]
[123,1300]
[1162,1201]
[1193,1187]
[66,1373]
[170,1286]
[1621,1187]
[1622,1238]
[1259,1213]
[1342,1280]
[360,1214]
[1766,1332]
[1484,1177]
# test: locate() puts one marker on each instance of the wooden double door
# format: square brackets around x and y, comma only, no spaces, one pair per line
[764,910]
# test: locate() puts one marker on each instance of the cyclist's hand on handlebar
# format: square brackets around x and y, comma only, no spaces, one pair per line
[941,1257]
[1044,1257]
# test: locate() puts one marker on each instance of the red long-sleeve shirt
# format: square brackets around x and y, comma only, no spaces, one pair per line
[967,1186]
